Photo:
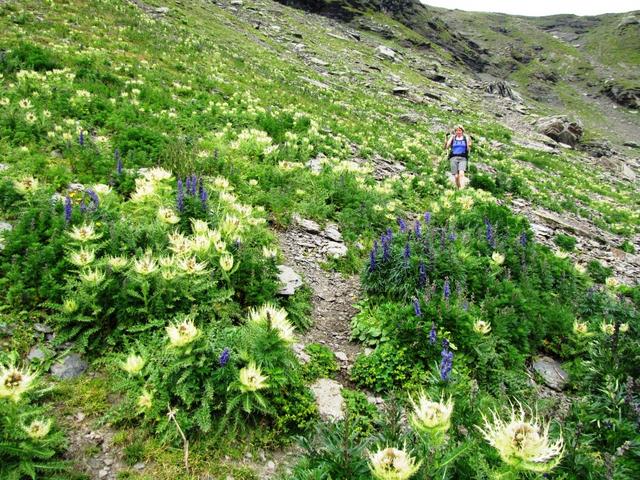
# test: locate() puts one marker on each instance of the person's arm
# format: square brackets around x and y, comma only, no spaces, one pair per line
[469,143]
[448,142]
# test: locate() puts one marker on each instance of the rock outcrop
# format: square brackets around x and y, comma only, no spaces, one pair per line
[561,129]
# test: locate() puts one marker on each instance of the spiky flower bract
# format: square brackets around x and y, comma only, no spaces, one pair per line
[392,464]
[497,258]
[429,416]
[251,378]
[14,382]
[183,333]
[226,262]
[580,328]
[276,318]
[133,364]
[38,429]
[145,400]
[482,327]
[84,233]
[523,443]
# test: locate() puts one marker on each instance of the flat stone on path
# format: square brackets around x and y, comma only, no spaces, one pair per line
[290,281]
[328,398]
[551,372]
[70,367]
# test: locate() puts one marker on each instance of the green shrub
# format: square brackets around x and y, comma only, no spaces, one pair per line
[322,363]
[598,272]
[565,242]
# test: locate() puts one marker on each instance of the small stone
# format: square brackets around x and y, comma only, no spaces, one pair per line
[79,416]
[42,328]
[336,250]
[289,280]
[271,466]
[308,225]
[328,398]
[551,372]
[139,466]
[36,353]
[108,462]
[341,356]
[103,473]
[332,233]
[70,367]
[237,3]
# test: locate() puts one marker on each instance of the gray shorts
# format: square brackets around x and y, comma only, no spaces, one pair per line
[458,164]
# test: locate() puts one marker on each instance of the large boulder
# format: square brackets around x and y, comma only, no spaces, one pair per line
[503,89]
[551,372]
[561,129]
[625,95]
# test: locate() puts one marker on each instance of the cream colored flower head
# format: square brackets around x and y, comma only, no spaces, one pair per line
[156,174]
[183,333]
[179,244]
[84,233]
[429,416]
[251,378]
[392,464]
[26,184]
[92,275]
[200,243]
[117,263]
[482,327]
[133,364]
[221,183]
[268,252]
[230,225]
[144,190]
[168,216]
[523,443]
[580,328]
[276,317]
[466,202]
[14,382]
[226,262]
[38,429]
[101,189]
[146,265]
[69,306]
[82,257]
[145,400]
[608,328]
[191,266]
[199,227]
[561,254]
[624,327]
[497,258]
[580,268]
[611,282]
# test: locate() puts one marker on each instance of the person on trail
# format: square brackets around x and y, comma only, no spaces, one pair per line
[459,146]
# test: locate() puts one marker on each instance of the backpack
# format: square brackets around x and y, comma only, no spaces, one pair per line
[466,148]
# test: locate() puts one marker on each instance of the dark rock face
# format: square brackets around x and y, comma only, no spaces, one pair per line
[410,13]
[561,129]
[70,367]
[502,89]
[597,149]
[623,95]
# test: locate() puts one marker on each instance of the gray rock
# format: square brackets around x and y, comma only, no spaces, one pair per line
[42,328]
[627,173]
[315,164]
[289,280]
[336,250]
[386,52]
[307,225]
[71,366]
[318,61]
[315,83]
[551,372]
[36,353]
[503,89]
[5,227]
[400,90]
[332,233]
[329,399]
[410,118]
[341,356]
[626,144]
[237,3]
[561,129]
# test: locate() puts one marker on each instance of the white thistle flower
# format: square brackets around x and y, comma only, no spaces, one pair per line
[392,464]
[268,252]
[145,265]
[226,262]
[191,266]
[580,328]
[84,233]
[82,257]
[117,263]
[101,189]
[199,227]
[145,400]
[26,184]
[168,215]
[611,282]
[523,444]
[133,365]
[608,328]
[94,276]
[482,327]
[183,333]
[38,429]
[156,174]
[497,258]
[179,244]
[624,328]
[276,317]
[14,382]
[69,306]
[200,243]
[429,416]
[251,378]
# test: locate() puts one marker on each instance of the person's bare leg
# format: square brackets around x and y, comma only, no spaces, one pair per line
[461,178]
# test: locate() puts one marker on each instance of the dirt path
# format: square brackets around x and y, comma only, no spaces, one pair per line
[332,299]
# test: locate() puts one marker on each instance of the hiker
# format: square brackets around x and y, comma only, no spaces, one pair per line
[459,146]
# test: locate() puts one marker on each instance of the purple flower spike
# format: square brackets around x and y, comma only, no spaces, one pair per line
[68,209]
[433,336]
[416,307]
[116,154]
[427,217]
[422,272]
[446,289]
[81,138]
[402,225]
[417,229]
[224,357]
[372,261]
